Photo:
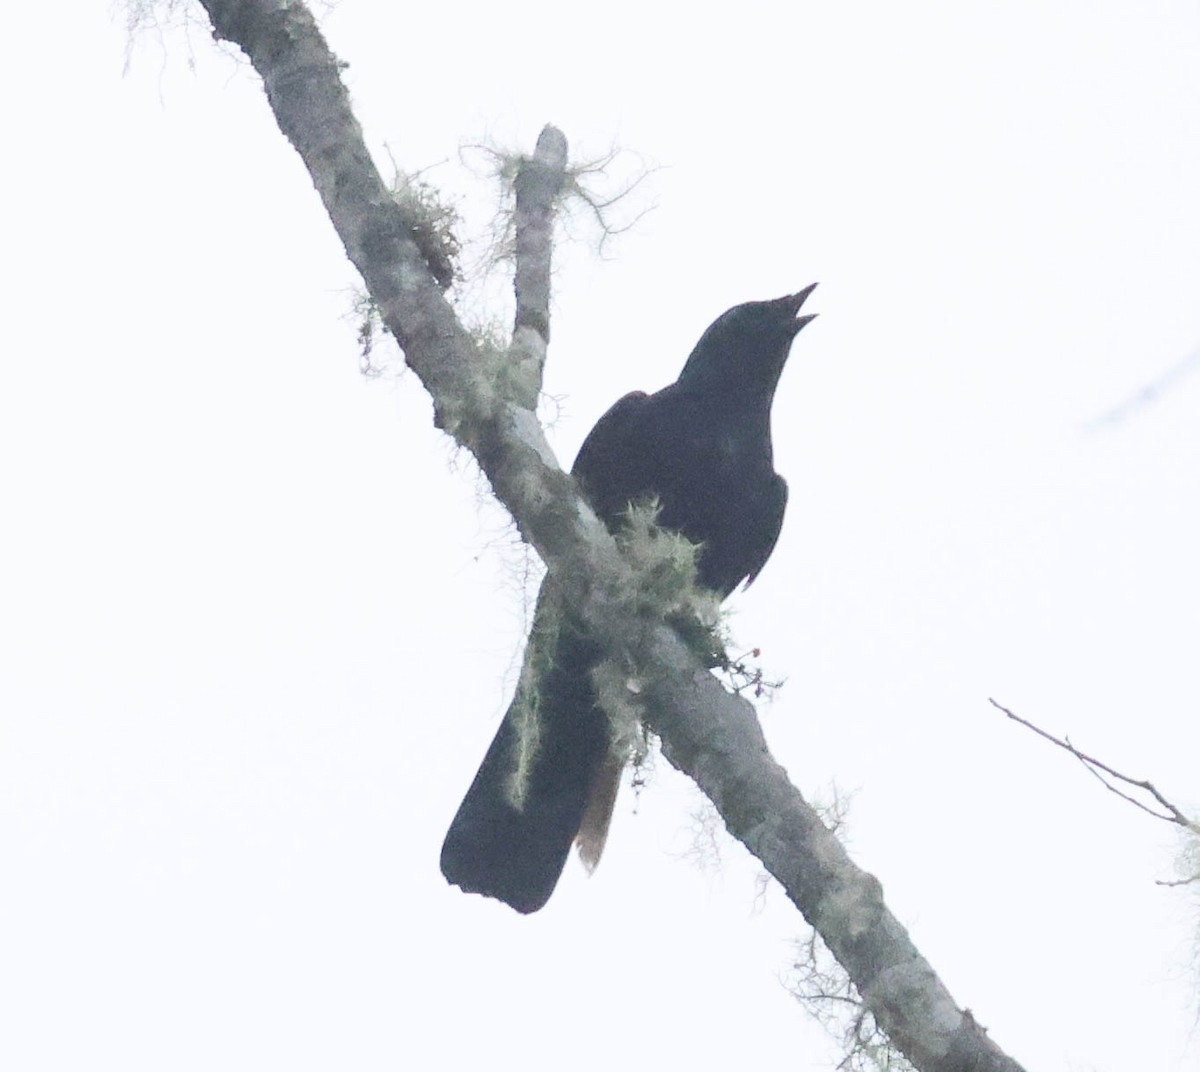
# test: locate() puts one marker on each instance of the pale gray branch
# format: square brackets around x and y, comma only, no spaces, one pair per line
[538,183]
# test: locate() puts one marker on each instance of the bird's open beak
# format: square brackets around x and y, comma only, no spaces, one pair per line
[792,304]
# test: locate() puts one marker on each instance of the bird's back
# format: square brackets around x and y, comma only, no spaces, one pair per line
[710,469]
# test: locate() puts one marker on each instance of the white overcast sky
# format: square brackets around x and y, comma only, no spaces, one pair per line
[258,622]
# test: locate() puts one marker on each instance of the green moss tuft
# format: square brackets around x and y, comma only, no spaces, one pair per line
[432,223]
[526,706]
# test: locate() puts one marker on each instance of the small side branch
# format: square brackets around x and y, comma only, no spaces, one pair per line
[1170,812]
[538,184]
[1150,394]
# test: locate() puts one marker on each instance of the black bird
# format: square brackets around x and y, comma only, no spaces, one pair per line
[702,448]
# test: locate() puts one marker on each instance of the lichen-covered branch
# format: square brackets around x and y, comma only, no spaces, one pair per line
[539,182]
[710,734]
[715,738]
[472,398]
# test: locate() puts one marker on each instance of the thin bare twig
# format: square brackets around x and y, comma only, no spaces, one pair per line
[1177,881]
[1150,394]
[1095,766]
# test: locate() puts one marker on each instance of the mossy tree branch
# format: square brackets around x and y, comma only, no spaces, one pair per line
[709,734]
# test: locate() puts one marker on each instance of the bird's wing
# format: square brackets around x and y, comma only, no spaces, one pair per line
[608,461]
[761,538]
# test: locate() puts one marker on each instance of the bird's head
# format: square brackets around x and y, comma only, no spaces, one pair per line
[745,347]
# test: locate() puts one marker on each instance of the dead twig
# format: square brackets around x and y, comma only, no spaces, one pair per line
[1095,767]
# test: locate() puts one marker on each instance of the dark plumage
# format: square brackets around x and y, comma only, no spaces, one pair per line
[702,447]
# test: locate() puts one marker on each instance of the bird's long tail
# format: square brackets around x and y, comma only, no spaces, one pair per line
[514,829]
